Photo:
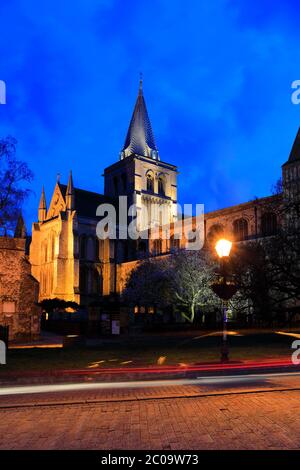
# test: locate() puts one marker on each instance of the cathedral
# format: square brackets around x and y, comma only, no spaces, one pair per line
[69,260]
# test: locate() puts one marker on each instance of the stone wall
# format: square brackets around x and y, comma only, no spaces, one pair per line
[18,291]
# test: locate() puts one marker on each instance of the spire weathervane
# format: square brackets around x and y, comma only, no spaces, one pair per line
[141,82]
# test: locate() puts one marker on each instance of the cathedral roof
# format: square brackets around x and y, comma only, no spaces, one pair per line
[86,202]
[295,152]
[140,139]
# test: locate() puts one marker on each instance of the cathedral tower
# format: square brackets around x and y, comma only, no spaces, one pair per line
[148,182]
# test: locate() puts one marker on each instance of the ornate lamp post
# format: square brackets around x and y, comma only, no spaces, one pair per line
[224,289]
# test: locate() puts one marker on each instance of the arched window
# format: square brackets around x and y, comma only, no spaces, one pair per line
[42,283]
[157,247]
[90,248]
[116,185]
[96,282]
[83,280]
[53,246]
[268,224]
[215,232]
[45,251]
[174,243]
[82,247]
[161,186]
[150,183]
[142,246]
[240,229]
[124,182]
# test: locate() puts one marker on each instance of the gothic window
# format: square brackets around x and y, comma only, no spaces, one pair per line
[96,282]
[150,183]
[161,186]
[82,247]
[45,251]
[240,229]
[174,243]
[44,282]
[51,282]
[83,279]
[53,246]
[124,182]
[125,251]
[268,224]
[90,248]
[142,247]
[116,185]
[157,247]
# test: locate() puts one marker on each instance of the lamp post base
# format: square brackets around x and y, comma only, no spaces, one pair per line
[224,353]
[224,358]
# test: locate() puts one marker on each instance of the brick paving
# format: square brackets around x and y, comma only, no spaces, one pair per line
[234,421]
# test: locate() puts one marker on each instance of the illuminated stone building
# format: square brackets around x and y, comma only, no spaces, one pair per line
[71,263]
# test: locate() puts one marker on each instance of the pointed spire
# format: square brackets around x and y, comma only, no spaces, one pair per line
[295,152]
[42,207]
[20,230]
[70,194]
[140,139]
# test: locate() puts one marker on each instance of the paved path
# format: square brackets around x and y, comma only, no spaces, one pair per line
[265,420]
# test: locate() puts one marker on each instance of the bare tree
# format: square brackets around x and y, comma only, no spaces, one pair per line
[192,274]
[13,174]
[181,280]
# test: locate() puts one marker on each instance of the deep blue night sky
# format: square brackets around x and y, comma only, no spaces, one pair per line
[217,83]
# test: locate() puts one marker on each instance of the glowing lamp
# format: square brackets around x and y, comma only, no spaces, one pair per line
[223,247]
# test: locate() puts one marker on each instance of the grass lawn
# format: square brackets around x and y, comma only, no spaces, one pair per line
[161,351]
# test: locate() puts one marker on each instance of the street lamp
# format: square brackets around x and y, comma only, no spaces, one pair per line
[224,289]
[223,248]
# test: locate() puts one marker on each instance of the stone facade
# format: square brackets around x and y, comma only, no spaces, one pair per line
[18,291]
[72,264]
[66,257]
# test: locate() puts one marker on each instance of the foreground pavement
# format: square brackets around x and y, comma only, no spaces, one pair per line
[257,412]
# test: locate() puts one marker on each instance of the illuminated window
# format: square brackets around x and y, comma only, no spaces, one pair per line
[150,183]
[97,282]
[161,186]
[53,240]
[45,251]
[157,247]
[174,243]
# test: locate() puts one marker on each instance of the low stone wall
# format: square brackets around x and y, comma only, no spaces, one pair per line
[18,291]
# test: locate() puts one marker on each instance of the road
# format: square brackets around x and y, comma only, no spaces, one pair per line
[238,412]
